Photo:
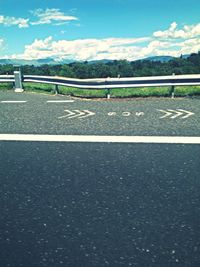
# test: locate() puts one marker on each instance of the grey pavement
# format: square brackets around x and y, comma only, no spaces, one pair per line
[162,116]
[99,204]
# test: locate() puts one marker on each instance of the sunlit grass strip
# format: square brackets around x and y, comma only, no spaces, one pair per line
[187,90]
[118,93]
[39,87]
[133,92]
[140,92]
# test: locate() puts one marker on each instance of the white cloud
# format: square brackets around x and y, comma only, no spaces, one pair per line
[189,46]
[117,48]
[48,16]
[1,43]
[188,31]
[84,49]
[51,15]
[10,21]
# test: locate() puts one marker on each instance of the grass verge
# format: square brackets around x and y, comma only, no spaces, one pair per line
[6,86]
[180,91]
[132,92]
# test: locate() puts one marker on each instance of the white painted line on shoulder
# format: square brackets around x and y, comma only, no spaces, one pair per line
[60,101]
[13,101]
[102,139]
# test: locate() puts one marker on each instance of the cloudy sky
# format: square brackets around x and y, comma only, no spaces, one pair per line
[98,29]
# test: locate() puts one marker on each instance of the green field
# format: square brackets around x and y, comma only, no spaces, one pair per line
[115,93]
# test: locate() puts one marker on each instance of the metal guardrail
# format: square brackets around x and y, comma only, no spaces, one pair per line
[7,78]
[105,83]
[111,83]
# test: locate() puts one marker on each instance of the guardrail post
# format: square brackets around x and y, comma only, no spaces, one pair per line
[18,82]
[56,91]
[172,90]
[108,94]
[108,89]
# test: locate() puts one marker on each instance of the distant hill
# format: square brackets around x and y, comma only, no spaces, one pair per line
[160,58]
[107,68]
[100,61]
[163,58]
[51,61]
[38,62]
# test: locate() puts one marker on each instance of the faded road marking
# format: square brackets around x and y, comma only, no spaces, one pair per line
[60,101]
[13,101]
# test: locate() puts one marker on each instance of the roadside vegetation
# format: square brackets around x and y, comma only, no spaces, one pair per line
[116,68]
[6,86]
[180,91]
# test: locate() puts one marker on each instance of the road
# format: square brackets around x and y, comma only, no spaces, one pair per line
[133,117]
[99,204]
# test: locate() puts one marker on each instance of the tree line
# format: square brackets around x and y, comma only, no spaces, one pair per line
[116,68]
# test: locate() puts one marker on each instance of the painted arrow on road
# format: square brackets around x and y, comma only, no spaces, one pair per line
[80,114]
[172,114]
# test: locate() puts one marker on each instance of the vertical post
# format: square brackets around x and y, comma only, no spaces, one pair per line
[56,91]
[172,90]
[108,89]
[108,94]
[18,82]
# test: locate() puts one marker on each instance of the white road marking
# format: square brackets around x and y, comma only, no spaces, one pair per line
[13,101]
[102,138]
[166,113]
[178,113]
[112,113]
[172,114]
[188,113]
[70,113]
[80,113]
[126,114]
[139,114]
[77,114]
[89,113]
[60,101]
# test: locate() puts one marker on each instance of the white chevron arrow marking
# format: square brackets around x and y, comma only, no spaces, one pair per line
[172,114]
[80,113]
[70,113]
[188,113]
[178,113]
[77,114]
[167,114]
[90,113]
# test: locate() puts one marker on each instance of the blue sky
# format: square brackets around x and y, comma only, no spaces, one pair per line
[98,29]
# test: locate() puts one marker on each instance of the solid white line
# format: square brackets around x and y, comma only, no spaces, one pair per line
[13,101]
[60,101]
[103,139]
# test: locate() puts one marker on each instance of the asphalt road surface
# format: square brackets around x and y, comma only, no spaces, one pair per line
[35,115]
[99,204]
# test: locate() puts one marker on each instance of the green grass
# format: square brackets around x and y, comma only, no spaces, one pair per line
[38,87]
[81,93]
[6,86]
[141,92]
[133,92]
[125,92]
[187,90]
[115,93]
